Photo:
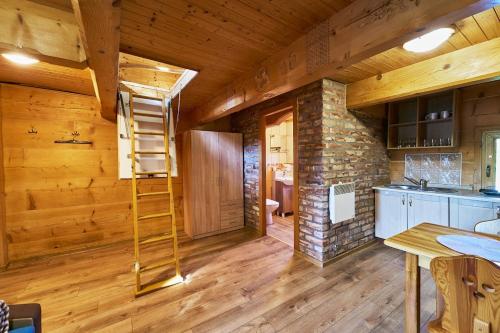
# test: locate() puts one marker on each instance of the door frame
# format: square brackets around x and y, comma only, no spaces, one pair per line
[293,107]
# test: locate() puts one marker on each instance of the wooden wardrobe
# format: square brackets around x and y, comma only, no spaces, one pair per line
[213,182]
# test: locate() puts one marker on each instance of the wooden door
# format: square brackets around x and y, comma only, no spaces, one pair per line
[204,177]
[390,213]
[231,179]
[427,208]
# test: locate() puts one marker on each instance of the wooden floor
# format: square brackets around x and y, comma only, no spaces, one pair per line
[281,229]
[234,283]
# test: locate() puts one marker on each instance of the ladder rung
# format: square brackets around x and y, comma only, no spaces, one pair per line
[155,239]
[147,97]
[157,265]
[142,114]
[152,193]
[150,152]
[151,173]
[160,284]
[148,133]
[152,216]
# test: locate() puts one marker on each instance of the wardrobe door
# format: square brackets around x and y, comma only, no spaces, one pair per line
[231,179]
[205,208]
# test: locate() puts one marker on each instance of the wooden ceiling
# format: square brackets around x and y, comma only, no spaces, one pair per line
[470,31]
[221,39]
[225,39]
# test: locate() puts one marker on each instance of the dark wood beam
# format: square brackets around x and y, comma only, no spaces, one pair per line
[99,22]
[473,64]
[359,31]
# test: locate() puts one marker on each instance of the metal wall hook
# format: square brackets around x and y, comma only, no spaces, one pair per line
[75,134]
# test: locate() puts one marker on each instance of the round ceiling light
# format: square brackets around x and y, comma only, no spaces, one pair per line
[429,41]
[19,58]
[163,69]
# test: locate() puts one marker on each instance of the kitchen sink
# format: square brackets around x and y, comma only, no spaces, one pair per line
[440,190]
[416,188]
[402,187]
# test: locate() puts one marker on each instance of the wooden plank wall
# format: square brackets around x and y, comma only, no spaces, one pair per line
[3,234]
[62,197]
[480,110]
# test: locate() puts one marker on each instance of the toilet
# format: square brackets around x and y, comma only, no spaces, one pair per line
[271,206]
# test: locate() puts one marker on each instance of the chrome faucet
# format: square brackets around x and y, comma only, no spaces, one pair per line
[422,183]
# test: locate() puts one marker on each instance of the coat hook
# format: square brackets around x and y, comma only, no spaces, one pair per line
[75,134]
[32,130]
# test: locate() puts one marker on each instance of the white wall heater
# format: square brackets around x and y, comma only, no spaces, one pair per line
[342,202]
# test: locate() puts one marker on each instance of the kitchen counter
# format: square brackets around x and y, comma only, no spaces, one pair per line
[460,194]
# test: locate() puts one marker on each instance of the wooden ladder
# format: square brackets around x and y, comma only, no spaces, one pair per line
[172,236]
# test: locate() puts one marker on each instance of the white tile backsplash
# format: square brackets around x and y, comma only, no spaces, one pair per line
[438,169]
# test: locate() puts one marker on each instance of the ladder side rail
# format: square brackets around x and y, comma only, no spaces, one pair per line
[134,197]
[170,189]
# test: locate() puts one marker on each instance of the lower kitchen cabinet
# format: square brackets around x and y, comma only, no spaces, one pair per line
[427,208]
[390,213]
[465,213]
[395,211]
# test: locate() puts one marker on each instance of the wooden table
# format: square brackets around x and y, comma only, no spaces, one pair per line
[421,247]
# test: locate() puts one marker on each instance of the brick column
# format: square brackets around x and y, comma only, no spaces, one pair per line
[334,145]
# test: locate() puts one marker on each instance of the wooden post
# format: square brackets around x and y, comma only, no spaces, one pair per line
[412,302]
[3,232]
[99,23]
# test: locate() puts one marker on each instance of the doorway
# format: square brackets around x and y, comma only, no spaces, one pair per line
[279,173]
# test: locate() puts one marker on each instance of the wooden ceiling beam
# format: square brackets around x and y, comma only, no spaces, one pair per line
[48,76]
[473,64]
[48,33]
[357,32]
[99,22]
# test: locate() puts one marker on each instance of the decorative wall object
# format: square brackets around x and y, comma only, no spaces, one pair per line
[437,169]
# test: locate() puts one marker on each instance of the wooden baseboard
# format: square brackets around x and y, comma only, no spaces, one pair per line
[218,232]
[322,264]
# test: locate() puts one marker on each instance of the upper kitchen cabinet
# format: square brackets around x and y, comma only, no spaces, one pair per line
[429,121]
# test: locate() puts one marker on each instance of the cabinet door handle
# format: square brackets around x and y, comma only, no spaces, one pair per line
[403,200]
[410,202]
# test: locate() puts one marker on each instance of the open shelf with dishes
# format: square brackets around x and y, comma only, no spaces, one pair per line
[428,121]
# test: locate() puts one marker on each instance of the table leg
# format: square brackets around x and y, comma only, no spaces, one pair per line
[412,302]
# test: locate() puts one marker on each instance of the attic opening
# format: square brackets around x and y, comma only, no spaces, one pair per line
[147,87]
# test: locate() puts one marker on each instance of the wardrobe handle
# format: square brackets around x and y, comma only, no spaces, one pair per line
[403,200]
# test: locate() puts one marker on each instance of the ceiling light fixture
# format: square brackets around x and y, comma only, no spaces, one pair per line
[163,69]
[19,58]
[429,41]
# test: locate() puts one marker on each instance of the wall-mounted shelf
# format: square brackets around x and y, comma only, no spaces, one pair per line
[410,126]
[403,124]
